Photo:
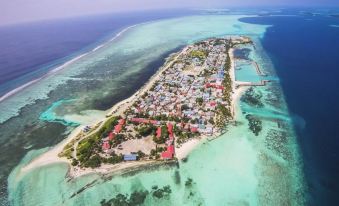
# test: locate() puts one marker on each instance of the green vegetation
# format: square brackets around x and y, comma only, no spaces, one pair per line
[144,95]
[114,159]
[223,112]
[155,152]
[198,54]
[88,148]
[93,162]
[75,162]
[107,127]
[147,130]
[119,138]
[254,123]
[184,107]
[174,118]
[199,100]
[67,150]
[140,154]
[162,117]
[182,137]
[223,115]
[164,135]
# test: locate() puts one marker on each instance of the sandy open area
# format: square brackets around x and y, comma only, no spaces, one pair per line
[186,148]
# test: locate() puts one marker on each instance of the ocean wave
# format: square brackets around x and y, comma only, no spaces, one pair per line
[59,68]
[12,101]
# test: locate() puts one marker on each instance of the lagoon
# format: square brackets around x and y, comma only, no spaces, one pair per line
[236,168]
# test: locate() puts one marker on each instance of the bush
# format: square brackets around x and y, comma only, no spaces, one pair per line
[198,54]
[141,154]
[75,162]
[146,130]
[93,162]
[199,100]
[108,126]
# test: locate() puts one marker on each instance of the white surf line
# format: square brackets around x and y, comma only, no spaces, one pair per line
[20,88]
[16,90]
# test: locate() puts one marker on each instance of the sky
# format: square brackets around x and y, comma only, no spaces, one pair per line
[16,11]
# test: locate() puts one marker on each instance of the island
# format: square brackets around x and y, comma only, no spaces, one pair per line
[190,98]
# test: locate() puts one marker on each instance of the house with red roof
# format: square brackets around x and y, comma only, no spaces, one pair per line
[169,153]
[145,121]
[106,146]
[158,132]
[170,149]
[219,87]
[170,130]
[166,155]
[111,136]
[121,121]
[208,85]
[117,128]
[213,103]
[194,129]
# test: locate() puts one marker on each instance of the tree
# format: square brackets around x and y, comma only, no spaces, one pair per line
[141,154]
[93,162]
[146,130]
[199,100]
[184,107]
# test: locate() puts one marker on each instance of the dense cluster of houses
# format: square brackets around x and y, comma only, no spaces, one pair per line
[191,88]
[190,91]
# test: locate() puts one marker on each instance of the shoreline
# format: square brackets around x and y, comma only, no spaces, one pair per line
[51,156]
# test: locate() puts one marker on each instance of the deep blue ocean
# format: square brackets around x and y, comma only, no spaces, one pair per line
[32,49]
[305,53]
[304,49]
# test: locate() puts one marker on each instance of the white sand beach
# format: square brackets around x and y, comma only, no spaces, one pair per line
[51,157]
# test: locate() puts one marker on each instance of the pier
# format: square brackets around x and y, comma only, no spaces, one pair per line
[248,84]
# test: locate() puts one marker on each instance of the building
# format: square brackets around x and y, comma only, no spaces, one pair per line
[145,121]
[130,157]
[169,153]
[170,130]
[121,122]
[111,136]
[106,146]
[194,129]
[117,128]
[158,132]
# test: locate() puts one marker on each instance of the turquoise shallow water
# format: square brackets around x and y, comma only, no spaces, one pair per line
[238,168]
[50,115]
[245,72]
